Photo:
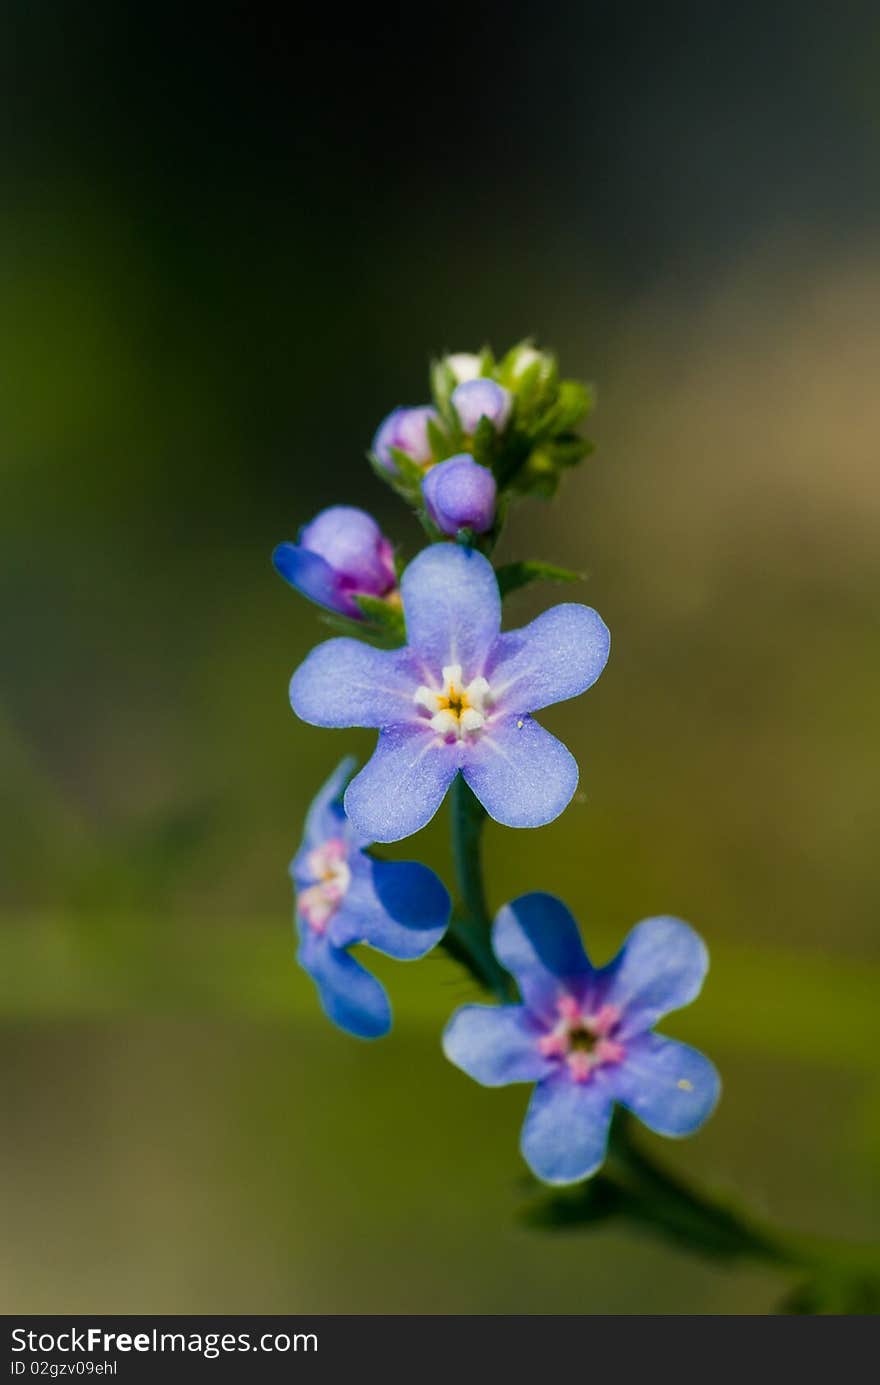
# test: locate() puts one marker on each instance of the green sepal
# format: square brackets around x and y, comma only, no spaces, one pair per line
[485,444]
[387,632]
[444,442]
[406,481]
[442,385]
[386,615]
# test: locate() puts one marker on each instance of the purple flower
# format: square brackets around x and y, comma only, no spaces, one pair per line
[460,494]
[476,399]
[583,1034]
[343,897]
[341,554]
[405,429]
[456,698]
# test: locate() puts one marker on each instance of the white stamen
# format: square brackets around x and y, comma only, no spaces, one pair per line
[456,709]
[471,719]
[446,723]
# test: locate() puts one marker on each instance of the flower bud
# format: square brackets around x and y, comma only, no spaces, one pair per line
[523,358]
[340,554]
[464,366]
[476,399]
[460,494]
[405,429]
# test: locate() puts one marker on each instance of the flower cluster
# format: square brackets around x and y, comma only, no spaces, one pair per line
[452,695]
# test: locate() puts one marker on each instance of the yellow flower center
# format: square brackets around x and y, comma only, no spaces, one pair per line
[456,709]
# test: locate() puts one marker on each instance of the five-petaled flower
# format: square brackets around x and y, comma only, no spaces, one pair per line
[456,698]
[583,1034]
[340,555]
[343,897]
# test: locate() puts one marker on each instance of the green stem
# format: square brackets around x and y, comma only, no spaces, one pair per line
[469,937]
[698,1221]
[691,1216]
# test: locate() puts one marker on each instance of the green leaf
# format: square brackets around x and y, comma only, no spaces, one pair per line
[512,576]
[572,404]
[569,449]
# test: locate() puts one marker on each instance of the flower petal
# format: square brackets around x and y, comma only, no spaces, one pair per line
[402,785]
[351,997]
[452,607]
[660,967]
[326,817]
[523,776]
[399,907]
[536,938]
[495,1044]
[313,576]
[559,655]
[346,683]
[565,1134]
[668,1085]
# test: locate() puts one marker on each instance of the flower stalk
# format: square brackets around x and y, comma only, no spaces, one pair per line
[469,936]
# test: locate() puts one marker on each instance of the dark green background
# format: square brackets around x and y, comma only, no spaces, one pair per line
[230,240]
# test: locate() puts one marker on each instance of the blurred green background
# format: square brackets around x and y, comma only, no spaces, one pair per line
[229,243]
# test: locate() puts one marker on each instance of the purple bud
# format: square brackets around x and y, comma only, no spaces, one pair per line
[405,429]
[460,494]
[476,399]
[342,552]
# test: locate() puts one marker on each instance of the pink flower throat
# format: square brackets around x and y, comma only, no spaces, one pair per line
[328,867]
[583,1041]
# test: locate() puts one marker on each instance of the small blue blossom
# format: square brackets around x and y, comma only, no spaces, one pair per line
[476,399]
[341,554]
[456,698]
[460,494]
[584,1034]
[406,430]
[343,897]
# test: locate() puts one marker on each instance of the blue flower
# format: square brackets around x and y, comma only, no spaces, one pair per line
[584,1034]
[456,698]
[343,897]
[460,494]
[476,399]
[341,554]
[406,430]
